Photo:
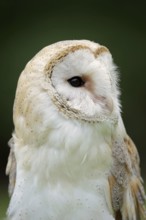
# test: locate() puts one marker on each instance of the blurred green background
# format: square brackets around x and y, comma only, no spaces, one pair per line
[28,26]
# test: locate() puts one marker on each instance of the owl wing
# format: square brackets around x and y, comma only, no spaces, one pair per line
[126,185]
[11,167]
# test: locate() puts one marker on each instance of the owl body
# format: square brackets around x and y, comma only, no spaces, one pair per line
[69,151]
[67,184]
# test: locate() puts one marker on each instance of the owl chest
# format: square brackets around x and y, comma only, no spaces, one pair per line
[67,181]
[66,188]
[85,200]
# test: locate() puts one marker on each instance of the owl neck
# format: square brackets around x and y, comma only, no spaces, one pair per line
[71,152]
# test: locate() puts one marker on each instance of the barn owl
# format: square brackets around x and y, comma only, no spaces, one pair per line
[70,156]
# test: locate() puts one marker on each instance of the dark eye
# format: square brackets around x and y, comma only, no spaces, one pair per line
[76,81]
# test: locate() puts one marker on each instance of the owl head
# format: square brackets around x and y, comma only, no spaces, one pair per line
[70,79]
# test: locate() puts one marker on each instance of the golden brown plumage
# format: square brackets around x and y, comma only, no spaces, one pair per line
[126,184]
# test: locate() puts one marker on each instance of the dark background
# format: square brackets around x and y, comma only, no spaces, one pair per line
[28,26]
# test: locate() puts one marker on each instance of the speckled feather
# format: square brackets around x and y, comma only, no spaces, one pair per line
[125,181]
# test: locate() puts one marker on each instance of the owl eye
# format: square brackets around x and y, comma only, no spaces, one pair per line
[76,81]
